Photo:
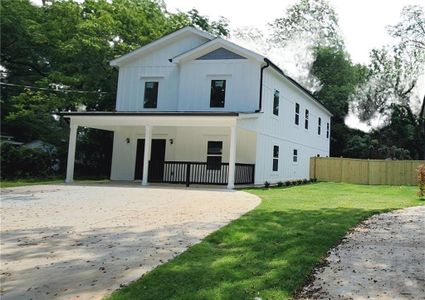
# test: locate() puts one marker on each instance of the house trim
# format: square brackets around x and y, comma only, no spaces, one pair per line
[122,59]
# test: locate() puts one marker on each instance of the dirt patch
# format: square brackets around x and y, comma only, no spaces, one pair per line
[82,242]
[382,258]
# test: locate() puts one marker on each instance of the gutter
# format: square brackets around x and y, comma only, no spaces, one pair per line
[260,104]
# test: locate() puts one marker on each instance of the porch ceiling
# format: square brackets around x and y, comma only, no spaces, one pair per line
[110,120]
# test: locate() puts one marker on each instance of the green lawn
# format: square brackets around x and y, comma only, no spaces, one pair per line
[270,251]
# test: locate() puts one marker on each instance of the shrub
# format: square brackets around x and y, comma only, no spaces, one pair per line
[420,171]
[280,184]
[299,181]
[313,180]
[305,181]
[266,184]
[22,162]
[288,183]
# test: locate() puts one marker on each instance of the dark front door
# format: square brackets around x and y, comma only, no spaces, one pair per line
[156,168]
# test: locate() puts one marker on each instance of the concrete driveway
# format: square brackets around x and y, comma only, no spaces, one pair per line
[76,241]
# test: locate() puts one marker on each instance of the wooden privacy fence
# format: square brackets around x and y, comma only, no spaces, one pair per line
[364,171]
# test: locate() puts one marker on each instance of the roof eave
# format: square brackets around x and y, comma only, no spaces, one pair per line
[119,60]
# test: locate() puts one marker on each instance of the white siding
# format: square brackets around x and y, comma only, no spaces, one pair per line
[242,84]
[153,66]
[281,131]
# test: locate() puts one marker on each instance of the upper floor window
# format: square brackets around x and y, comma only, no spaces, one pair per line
[275,158]
[214,155]
[295,156]
[327,130]
[319,126]
[307,113]
[151,94]
[276,103]
[218,93]
[297,114]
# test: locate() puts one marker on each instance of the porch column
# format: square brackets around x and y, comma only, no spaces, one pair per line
[147,154]
[71,153]
[232,158]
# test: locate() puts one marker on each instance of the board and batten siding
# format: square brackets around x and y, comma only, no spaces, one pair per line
[281,131]
[153,66]
[242,84]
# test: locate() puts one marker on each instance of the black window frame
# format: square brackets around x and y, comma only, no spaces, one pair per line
[297,114]
[275,165]
[319,126]
[327,130]
[215,96]
[295,156]
[150,100]
[306,118]
[276,101]
[214,157]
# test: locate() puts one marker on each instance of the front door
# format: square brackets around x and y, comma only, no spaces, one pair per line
[156,168]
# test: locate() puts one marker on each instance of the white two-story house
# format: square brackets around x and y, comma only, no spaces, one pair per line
[194,108]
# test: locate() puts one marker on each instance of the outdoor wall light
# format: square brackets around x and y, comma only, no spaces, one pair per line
[127,140]
[171,141]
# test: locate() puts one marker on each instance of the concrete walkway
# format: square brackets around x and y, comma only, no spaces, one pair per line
[383,258]
[69,242]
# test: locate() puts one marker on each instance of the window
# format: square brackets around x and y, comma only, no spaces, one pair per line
[306,119]
[297,114]
[327,130]
[275,158]
[218,93]
[319,126]
[214,155]
[151,94]
[276,103]
[295,156]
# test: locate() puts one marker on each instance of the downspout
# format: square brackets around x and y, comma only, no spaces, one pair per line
[260,104]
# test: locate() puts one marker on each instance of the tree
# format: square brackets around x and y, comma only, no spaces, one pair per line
[338,78]
[307,24]
[394,70]
[313,21]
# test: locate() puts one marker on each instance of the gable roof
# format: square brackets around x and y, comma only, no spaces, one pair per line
[157,43]
[214,45]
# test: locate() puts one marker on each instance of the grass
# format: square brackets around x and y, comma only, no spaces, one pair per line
[271,251]
[37,181]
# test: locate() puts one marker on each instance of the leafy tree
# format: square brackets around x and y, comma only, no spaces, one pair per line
[338,77]
[314,21]
[394,70]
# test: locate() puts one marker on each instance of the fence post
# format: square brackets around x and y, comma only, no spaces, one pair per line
[341,160]
[187,174]
[368,171]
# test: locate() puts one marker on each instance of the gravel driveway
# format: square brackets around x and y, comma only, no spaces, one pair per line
[76,241]
[383,258]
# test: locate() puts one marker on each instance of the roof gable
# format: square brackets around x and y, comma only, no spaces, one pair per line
[214,45]
[185,31]
[220,53]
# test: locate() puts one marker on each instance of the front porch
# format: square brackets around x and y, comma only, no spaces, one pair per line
[178,148]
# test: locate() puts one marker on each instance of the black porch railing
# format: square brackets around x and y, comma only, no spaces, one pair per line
[198,173]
